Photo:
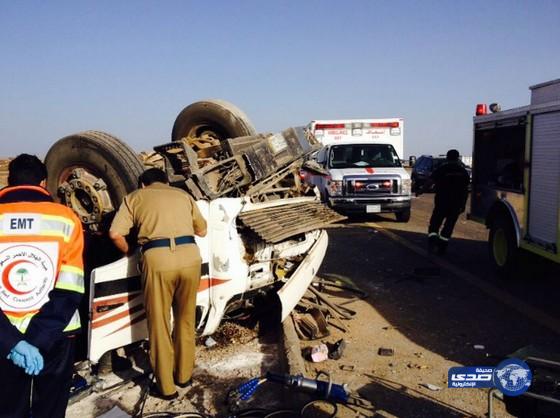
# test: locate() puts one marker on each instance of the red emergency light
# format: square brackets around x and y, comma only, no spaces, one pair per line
[330,126]
[481,109]
[384,124]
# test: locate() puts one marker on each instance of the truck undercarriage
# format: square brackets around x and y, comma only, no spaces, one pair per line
[265,226]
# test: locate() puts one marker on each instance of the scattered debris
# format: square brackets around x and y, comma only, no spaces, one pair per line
[319,353]
[389,327]
[430,386]
[346,367]
[336,349]
[419,355]
[322,306]
[311,325]
[210,342]
[385,352]
[416,366]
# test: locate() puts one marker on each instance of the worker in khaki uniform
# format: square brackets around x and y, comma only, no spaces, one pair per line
[166,218]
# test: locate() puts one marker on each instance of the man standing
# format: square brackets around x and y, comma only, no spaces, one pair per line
[42,283]
[166,218]
[451,185]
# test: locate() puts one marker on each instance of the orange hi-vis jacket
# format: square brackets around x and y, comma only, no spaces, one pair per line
[41,268]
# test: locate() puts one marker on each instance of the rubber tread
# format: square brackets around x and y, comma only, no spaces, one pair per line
[115,151]
[246,127]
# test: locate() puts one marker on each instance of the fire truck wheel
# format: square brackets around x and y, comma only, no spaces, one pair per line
[91,172]
[503,247]
[216,118]
[403,216]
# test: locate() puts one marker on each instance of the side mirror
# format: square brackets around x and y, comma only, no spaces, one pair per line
[412,160]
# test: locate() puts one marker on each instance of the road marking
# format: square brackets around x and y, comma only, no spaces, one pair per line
[517,304]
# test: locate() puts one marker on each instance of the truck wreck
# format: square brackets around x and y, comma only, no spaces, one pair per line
[265,234]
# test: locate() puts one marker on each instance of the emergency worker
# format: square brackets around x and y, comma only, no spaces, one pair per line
[42,283]
[451,181]
[165,218]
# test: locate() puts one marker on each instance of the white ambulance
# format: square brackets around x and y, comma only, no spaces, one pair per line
[362,166]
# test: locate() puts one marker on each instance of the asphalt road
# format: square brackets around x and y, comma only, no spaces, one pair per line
[436,317]
[540,285]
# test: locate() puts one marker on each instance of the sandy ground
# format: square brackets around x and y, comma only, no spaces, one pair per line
[431,322]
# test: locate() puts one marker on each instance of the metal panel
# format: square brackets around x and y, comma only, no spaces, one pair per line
[545,180]
[545,92]
[275,224]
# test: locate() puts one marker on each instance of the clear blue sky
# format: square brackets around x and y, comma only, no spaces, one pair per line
[129,67]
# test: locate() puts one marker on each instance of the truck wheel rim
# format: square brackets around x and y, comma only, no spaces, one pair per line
[500,247]
[86,194]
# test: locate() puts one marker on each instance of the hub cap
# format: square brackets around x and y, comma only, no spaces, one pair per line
[87,196]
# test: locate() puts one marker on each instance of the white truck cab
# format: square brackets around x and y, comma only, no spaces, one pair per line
[363,170]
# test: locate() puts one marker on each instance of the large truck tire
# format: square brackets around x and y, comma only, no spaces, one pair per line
[503,248]
[92,172]
[217,118]
[403,215]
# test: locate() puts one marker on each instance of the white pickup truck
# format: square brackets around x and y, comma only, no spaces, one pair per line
[362,169]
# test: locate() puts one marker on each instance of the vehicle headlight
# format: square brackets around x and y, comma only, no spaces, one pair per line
[334,187]
[407,186]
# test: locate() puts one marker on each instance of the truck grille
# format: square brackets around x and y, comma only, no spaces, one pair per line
[278,223]
[369,187]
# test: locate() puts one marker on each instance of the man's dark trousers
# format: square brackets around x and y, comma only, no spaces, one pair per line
[442,213]
[50,388]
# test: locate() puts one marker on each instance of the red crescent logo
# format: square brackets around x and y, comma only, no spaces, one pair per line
[6,278]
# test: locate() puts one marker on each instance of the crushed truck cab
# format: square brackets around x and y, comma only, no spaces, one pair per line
[265,240]
[232,274]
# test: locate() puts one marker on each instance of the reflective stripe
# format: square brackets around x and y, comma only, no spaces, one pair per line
[56,226]
[71,269]
[50,225]
[433,234]
[21,322]
[70,278]
[441,237]
[58,218]
[74,323]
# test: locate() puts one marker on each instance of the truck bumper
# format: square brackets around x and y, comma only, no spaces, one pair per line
[297,285]
[370,205]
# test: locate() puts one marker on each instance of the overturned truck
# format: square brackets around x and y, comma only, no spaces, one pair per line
[265,227]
